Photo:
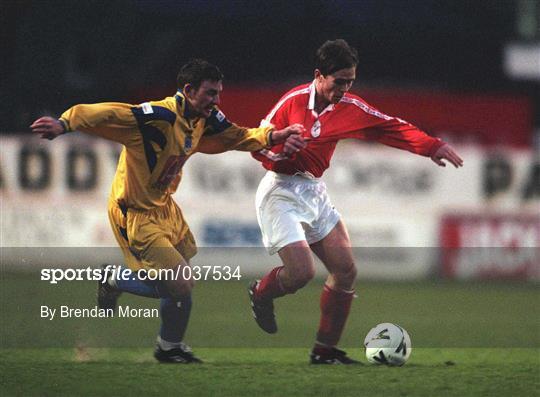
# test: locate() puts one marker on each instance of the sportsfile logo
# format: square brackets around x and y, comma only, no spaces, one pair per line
[53,276]
[196,273]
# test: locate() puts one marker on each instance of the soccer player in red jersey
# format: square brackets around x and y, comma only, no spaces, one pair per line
[293,208]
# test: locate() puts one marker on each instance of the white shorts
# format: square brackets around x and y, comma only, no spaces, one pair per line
[293,208]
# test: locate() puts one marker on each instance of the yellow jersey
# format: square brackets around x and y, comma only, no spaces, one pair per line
[158,138]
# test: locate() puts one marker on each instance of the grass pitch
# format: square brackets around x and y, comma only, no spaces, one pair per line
[266,372]
[468,340]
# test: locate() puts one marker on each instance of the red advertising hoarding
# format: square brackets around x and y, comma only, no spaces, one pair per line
[490,247]
[477,118]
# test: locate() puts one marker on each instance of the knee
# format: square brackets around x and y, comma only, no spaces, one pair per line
[299,278]
[180,288]
[346,276]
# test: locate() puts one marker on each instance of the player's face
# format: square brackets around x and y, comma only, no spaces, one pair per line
[332,87]
[203,99]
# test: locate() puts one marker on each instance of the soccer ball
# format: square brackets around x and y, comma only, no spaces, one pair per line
[388,344]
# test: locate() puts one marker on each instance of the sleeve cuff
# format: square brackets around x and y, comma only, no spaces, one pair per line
[65,125]
[435,146]
[269,142]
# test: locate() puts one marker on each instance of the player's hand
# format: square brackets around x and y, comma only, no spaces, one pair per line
[294,143]
[281,135]
[47,127]
[445,152]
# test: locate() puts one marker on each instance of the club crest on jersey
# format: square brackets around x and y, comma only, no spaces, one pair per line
[316,129]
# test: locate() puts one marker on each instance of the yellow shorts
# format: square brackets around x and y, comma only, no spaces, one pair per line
[158,238]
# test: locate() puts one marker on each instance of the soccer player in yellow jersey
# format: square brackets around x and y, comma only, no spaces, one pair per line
[158,138]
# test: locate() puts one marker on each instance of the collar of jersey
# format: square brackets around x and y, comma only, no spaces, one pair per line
[311,102]
[183,105]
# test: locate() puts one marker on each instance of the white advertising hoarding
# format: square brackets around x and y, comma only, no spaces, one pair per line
[54,194]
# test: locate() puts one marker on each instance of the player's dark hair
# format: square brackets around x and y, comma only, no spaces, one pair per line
[196,71]
[335,55]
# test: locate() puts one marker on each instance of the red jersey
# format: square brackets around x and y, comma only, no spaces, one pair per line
[351,117]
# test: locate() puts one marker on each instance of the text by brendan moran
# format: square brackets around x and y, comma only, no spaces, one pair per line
[95,312]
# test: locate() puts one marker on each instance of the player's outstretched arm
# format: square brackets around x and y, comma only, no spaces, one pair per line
[252,139]
[112,121]
[446,152]
[48,127]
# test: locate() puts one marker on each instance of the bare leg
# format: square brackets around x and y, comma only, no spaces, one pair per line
[336,254]
[298,266]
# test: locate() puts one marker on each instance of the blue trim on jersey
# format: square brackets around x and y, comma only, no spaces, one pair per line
[151,133]
[188,114]
[179,99]
[159,113]
[215,125]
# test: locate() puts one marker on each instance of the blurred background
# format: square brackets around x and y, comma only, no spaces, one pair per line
[468,72]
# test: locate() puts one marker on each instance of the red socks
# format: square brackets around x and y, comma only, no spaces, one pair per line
[270,287]
[335,307]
